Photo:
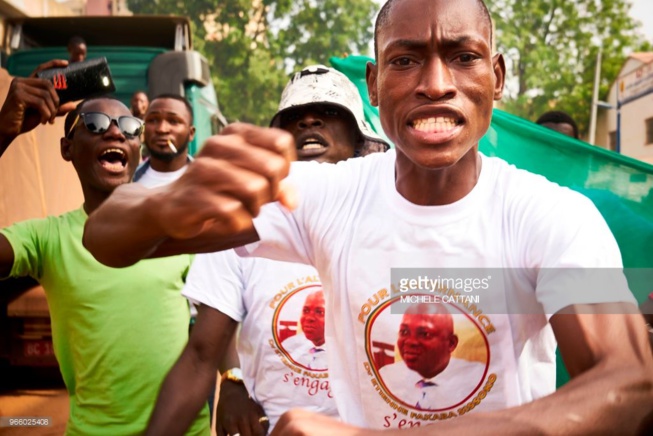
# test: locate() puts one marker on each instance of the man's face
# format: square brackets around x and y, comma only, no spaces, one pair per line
[323,133]
[312,319]
[435,79]
[77,53]
[139,103]
[167,119]
[103,161]
[426,342]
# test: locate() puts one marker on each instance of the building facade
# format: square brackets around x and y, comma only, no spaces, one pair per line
[634,88]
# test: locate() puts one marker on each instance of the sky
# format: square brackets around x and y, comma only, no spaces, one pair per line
[643,11]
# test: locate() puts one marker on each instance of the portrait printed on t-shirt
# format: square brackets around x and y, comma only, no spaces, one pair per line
[299,328]
[439,357]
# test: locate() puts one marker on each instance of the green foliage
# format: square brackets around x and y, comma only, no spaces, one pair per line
[551,48]
[253,45]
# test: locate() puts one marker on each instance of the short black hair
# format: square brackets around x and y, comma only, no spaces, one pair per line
[384,16]
[179,98]
[72,115]
[558,117]
[75,40]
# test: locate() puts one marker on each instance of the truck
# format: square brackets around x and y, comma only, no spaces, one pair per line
[145,53]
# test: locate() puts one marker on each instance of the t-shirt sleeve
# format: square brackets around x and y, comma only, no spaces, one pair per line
[216,280]
[576,256]
[27,245]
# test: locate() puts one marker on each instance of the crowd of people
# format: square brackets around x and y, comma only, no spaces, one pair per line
[304,257]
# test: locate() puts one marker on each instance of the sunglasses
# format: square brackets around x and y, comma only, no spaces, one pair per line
[98,122]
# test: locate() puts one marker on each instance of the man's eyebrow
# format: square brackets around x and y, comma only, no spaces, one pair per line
[446,42]
[155,112]
[465,40]
[407,44]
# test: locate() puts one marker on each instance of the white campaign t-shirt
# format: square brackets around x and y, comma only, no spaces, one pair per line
[509,234]
[154,179]
[282,368]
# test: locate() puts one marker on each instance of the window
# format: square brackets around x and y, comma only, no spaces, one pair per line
[649,131]
[613,140]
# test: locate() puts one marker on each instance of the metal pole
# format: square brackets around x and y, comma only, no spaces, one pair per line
[595,97]
[618,147]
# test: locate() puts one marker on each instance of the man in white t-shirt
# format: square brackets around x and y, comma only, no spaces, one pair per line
[168,131]
[543,260]
[282,353]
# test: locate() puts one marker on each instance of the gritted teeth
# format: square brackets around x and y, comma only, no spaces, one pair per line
[435,124]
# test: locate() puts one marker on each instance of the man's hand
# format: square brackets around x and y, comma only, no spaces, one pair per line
[299,422]
[237,413]
[209,208]
[234,175]
[30,102]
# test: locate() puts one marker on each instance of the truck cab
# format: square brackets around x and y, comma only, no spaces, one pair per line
[149,53]
[145,53]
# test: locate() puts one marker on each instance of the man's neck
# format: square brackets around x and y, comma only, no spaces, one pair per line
[167,167]
[93,200]
[427,187]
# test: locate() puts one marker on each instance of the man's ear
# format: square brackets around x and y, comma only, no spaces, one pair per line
[453,343]
[66,149]
[370,75]
[499,67]
[191,134]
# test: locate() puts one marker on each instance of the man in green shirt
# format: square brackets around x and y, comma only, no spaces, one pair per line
[116,332]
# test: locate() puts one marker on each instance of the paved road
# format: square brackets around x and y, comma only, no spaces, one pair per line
[33,393]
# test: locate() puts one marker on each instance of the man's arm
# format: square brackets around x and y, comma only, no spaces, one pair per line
[647,310]
[30,102]
[209,208]
[237,412]
[6,257]
[606,351]
[186,388]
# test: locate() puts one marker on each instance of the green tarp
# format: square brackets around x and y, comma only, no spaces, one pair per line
[620,187]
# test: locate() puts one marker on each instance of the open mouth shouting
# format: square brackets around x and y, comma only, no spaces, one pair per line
[114,160]
[310,145]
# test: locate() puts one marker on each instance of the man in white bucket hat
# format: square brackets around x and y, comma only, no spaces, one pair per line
[278,304]
[323,110]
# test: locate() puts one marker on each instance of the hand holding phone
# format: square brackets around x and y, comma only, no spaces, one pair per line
[80,80]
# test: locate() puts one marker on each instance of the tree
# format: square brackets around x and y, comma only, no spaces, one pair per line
[551,48]
[253,45]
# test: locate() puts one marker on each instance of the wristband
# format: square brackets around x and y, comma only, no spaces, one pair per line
[234,375]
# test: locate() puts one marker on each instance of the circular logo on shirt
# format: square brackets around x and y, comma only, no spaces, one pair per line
[428,356]
[298,328]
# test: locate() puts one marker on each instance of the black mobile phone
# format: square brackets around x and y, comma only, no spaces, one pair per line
[80,80]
